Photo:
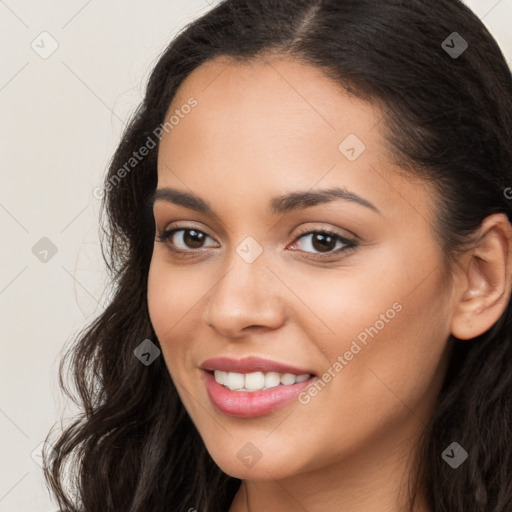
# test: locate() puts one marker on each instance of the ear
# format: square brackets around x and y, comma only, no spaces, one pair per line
[484,284]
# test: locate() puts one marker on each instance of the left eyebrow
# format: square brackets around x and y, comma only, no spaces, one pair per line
[278,205]
[300,200]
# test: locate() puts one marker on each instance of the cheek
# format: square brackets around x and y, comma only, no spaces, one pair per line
[384,364]
[168,303]
[171,294]
[160,298]
[388,333]
[175,299]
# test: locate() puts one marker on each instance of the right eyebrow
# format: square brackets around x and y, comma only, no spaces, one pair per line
[185,199]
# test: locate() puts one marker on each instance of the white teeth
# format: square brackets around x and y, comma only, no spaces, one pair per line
[272,379]
[256,381]
[287,379]
[220,376]
[234,380]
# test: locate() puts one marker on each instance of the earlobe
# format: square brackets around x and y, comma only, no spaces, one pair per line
[486,283]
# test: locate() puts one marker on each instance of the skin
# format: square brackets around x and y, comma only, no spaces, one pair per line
[262,130]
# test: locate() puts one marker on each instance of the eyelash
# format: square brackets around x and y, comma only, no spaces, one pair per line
[349,245]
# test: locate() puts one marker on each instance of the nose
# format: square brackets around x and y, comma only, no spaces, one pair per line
[245,298]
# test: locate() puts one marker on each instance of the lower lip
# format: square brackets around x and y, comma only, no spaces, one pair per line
[248,404]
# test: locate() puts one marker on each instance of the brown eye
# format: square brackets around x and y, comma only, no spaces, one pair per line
[192,238]
[322,243]
[188,238]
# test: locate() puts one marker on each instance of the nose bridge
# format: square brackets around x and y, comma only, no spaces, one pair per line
[244,295]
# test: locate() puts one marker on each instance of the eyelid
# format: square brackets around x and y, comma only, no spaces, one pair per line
[335,231]
[185,225]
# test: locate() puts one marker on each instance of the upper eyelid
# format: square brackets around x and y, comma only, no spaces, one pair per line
[186,228]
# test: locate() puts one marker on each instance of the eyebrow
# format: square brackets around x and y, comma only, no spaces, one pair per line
[278,205]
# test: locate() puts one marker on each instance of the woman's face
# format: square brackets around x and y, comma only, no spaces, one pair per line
[365,310]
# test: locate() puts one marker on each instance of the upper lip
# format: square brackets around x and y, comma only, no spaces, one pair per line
[251,364]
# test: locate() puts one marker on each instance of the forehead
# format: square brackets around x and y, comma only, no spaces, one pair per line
[263,115]
[275,94]
[270,126]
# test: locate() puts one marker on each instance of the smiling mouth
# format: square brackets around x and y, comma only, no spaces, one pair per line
[256,381]
[259,399]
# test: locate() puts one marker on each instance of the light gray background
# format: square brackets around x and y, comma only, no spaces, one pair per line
[61,119]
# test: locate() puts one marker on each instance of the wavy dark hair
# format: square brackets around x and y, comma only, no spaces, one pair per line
[447,119]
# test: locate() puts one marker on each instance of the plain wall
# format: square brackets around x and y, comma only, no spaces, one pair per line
[62,117]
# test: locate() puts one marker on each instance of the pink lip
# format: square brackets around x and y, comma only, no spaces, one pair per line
[251,364]
[245,404]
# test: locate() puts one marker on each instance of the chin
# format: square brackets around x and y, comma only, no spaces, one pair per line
[238,464]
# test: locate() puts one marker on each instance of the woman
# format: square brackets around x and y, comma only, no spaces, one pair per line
[310,241]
